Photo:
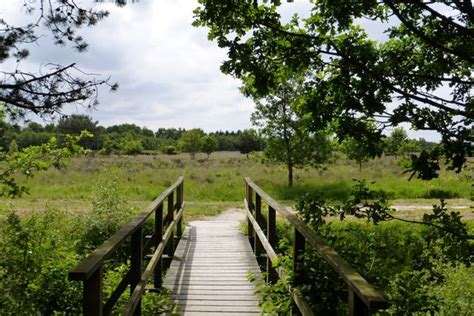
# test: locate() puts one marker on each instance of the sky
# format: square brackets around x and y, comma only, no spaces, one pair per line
[168,71]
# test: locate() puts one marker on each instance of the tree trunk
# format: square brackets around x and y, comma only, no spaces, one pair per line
[290,174]
[360,166]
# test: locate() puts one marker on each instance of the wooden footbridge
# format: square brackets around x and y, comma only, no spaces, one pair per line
[205,267]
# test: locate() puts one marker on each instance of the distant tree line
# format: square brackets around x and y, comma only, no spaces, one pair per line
[129,138]
[133,139]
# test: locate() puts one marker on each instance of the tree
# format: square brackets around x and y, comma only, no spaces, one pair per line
[349,76]
[249,141]
[35,127]
[191,141]
[365,145]
[288,138]
[75,124]
[356,151]
[395,141]
[130,145]
[54,85]
[209,145]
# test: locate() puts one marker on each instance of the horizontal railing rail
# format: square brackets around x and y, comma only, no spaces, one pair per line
[90,270]
[363,298]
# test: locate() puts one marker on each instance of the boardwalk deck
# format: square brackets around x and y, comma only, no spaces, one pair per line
[208,274]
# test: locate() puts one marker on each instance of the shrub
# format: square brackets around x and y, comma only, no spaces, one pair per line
[456,293]
[170,150]
[107,215]
[35,259]
[129,145]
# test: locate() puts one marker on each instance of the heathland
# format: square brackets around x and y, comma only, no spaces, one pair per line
[216,183]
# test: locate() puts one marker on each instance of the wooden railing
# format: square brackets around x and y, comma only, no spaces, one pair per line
[363,298]
[90,270]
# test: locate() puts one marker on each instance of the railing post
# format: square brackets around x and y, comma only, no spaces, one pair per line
[356,306]
[157,274]
[298,253]
[250,231]
[169,219]
[92,303]
[298,261]
[136,263]
[180,199]
[258,248]
[272,239]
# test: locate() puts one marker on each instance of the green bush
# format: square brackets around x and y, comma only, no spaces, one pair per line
[35,259]
[456,293]
[130,145]
[419,270]
[169,150]
[107,215]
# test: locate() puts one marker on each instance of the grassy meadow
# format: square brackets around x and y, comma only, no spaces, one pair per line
[215,184]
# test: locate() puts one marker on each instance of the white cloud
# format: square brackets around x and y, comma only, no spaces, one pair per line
[167,70]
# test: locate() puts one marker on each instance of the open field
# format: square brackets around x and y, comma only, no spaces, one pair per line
[215,184]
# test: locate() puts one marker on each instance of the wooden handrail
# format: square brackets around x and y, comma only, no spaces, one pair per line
[90,269]
[88,266]
[138,292]
[363,297]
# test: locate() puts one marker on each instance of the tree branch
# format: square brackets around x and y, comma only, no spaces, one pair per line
[424,37]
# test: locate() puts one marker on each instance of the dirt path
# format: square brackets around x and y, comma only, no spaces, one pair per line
[230,214]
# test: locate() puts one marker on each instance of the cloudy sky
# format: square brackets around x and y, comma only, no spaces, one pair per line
[167,70]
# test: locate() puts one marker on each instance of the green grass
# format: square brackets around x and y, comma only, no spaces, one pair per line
[211,182]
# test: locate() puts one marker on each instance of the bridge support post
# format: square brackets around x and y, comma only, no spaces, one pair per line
[180,199]
[157,273]
[272,239]
[92,303]
[169,219]
[356,306]
[136,263]
[250,231]
[298,261]
[258,248]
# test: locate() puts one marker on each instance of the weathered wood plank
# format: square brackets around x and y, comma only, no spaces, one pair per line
[216,308]
[221,297]
[208,274]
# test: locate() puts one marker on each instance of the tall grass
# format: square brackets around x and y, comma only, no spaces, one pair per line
[220,179]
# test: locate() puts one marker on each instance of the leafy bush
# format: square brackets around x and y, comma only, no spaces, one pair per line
[170,150]
[130,145]
[399,258]
[35,259]
[107,215]
[456,294]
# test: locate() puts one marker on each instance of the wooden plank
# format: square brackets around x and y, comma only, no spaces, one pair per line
[217,308]
[191,313]
[211,302]
[222,297]
[208,274]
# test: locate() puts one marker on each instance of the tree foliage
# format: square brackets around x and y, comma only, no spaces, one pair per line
[349,76]
[191,141]
[249,141]
[288,139]
[209,144]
